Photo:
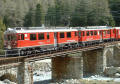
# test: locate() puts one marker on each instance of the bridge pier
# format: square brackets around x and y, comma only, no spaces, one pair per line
[86,63]
[25,73]
[75,66]
[68,67]
[101,61]
[96,61]
[89,62]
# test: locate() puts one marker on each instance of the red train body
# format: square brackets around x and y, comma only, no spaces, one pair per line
[40,39]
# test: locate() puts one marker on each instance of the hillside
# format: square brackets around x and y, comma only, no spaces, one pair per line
[14,11]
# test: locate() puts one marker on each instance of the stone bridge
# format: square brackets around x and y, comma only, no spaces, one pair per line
[75,65]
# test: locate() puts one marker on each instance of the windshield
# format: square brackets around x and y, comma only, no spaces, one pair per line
[10,37]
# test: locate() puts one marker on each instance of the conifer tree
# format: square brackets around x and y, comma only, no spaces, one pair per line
[55,14]
[79,17]
[38,15]
[59,10]
[92,13]
[6,21]
[115,10]
[50,16]
[100,13]
[2,29]
[29,19]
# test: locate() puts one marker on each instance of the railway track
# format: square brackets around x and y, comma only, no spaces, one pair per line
[46,55]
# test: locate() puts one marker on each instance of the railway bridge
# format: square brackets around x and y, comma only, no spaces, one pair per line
[67,64]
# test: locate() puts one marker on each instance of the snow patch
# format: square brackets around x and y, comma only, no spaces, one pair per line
[40,76]
[46,60]
[42,71]
[46,75]
[97,77]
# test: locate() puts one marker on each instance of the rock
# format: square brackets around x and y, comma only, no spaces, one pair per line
[112,71]
[71,81]
[92,76]
[44,65]
[1,82]
[6,81]
[117,74]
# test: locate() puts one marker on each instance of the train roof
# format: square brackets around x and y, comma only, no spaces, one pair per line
[53,29]
[37,29]
[117,27]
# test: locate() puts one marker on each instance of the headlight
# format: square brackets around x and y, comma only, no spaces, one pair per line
[9,47]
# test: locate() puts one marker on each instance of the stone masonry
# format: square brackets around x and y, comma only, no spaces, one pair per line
[67,67]
[75,66]
[25,73]
[82,64]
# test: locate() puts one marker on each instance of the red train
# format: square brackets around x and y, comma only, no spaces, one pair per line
[41,39]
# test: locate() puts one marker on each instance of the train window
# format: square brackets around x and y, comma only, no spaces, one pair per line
[19,36]
[83,33]
[79,33]
[108,32]
[22,36]
[113,31]
[62,35]
[100,32]
[87,33]
[95,32]
[76,33]
[13,37]
[41,36]
[5,37]
[91,33]
[48,36]
[9,37]
[104,32]
[32,36]
[68,34]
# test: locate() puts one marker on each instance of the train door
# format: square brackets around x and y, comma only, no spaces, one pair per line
[9,41]
[19,39]
[100,32]
[79,36]
[117,34]
[55,39]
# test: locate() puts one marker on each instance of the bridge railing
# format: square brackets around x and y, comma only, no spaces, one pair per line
[2,53]
[18,52]
[13,52]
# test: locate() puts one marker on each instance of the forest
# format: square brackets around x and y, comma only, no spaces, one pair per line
[29,13]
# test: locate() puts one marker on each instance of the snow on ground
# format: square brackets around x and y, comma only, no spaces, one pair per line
[6,81]
[97,77]
[44,73]
[46,60]
[42,76]
[47,76]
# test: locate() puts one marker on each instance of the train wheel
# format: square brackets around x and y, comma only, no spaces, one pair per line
[22,53]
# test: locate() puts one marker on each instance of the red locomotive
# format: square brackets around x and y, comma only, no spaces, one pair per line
[41,39]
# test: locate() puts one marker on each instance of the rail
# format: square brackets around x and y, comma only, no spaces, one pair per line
[35,57]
